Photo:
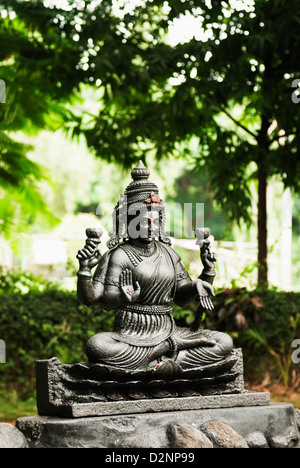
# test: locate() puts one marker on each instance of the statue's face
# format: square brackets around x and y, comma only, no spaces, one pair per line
[150,226]
[145,225]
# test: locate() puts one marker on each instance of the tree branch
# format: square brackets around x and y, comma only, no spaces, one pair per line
[239,124]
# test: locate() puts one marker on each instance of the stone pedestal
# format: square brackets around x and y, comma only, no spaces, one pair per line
[93,406]
[275,422]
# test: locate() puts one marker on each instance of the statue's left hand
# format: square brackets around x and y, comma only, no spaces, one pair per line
[205,290]
[130,292]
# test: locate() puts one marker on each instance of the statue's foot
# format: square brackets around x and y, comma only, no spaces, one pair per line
[167,368]
[205,355]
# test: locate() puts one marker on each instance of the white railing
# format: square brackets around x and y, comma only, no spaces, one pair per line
[236,261]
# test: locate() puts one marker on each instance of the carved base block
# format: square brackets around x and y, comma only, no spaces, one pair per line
[85,389]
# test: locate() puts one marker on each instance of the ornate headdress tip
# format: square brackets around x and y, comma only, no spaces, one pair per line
[140,172]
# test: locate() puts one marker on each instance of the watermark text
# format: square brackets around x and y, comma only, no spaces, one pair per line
[138,220]
[2,92]
[296,353]
[2,352]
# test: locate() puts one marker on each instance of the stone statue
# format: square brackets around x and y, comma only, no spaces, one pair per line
[146,357]
[138,278]
[147,364]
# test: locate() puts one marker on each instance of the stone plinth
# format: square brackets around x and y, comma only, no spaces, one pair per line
[276,422]
[158,405]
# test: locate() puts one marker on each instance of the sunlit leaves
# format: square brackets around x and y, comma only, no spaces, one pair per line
[158,92]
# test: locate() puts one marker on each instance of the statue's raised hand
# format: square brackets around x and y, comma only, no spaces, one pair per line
[89,256]
[131,293]
[205,290]
[208,258]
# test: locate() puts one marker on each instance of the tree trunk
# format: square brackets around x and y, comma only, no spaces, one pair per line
[262,231]
[262,222]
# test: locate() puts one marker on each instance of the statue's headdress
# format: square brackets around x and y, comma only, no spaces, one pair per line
[140,193]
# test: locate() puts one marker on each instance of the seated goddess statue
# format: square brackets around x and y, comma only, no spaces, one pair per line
[139,278]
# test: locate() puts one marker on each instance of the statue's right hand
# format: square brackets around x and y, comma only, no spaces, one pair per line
[130,293]
[89,256]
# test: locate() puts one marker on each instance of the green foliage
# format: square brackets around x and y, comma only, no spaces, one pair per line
[21,203]
[13,407]
[247,57]
[31,65]
[194,187]
[21,282]
[230,88]
[264,322]
[39,321]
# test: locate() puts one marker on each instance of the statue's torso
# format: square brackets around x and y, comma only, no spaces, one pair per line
[149,320]
[155,274]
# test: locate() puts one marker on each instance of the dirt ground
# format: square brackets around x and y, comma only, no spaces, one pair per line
[278,392]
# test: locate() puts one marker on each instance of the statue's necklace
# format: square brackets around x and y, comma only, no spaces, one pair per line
[144,252]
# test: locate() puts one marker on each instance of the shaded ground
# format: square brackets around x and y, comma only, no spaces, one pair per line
[278,392]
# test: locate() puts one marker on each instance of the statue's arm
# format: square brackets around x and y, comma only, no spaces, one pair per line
[90,290]
[208,259]
[112,285]
[187,289]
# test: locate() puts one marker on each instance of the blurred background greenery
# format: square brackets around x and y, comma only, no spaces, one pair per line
[206,94]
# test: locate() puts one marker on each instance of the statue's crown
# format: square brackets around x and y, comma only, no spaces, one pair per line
[141,188]
[140,172]
[140,193]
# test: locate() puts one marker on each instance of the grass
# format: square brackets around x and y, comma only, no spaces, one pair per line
[12,407]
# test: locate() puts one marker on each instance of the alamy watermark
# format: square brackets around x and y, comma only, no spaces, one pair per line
[2,352]
[2,92]
[296,92]
[136,219]
[296,353]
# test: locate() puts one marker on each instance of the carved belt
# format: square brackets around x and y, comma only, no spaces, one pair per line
[148,309]
[144,325]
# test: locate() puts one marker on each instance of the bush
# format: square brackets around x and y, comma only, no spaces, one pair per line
[264,322]
[39,324]
[38,321]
